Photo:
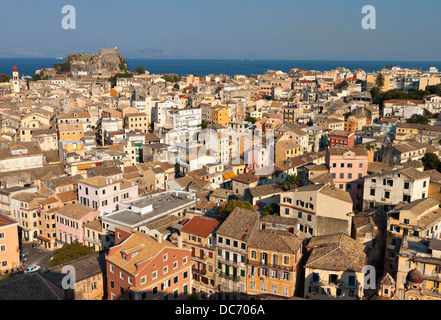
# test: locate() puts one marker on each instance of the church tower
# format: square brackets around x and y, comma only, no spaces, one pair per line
[15,80]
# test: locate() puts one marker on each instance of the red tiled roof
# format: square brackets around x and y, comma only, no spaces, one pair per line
[201,226]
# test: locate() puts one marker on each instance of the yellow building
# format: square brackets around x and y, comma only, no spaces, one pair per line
[198,235]
[273,258]
[137,122]
[333,269]
[287,149]
[434,184]
[419,269]
[233,237]
[220,115]
[70,131]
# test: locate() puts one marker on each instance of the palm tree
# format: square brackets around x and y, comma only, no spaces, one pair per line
[291,182]
[379,81]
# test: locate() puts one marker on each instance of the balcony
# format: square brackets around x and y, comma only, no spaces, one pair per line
[199,271]
[263,264]
[230,262]
[227,276]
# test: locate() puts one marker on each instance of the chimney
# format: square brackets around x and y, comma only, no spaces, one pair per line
[160,239]
[180,242]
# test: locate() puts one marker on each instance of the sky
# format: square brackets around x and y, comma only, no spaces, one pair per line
[229,29]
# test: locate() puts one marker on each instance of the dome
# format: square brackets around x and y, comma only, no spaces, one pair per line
[415,276]
[15,68]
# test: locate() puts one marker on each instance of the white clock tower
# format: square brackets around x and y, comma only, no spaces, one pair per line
[15,80]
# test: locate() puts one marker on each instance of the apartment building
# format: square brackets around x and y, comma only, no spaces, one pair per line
[137,122]
[418,274]
[139,267]
[70,220]
[319,209]
[9,243]
[419,218]
[103,193]
[388,188]
[199,235]
[233,238]
[25,208]
[273,261]
[348,167]
[16,156]
[334,268]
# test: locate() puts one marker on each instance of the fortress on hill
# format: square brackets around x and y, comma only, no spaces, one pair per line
[105,62]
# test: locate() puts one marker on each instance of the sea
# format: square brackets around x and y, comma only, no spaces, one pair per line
[230,67]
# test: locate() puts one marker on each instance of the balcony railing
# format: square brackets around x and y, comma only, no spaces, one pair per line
[278,266]
[230,262]
[199,271]
[227,276]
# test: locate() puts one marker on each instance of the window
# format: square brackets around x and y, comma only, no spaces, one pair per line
[154,275]
[185,275]
[165,270]
[112,284]
[309,217]
[253,254]
[406,185]
[263,286]
[372,192]
[285,260]
[299,215]
[387,194]
[333,278]
[287,211]
[121,275]
[143,280]
[274,288]
[351,281]
[406,221]
[175,279]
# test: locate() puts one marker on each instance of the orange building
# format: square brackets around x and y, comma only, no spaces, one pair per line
[140,267]
[70,131]
[273,259]
[220,115]
[9,244]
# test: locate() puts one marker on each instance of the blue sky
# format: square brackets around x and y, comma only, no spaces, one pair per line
[271,29]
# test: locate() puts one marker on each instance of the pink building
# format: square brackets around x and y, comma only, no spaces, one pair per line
[103,193]
[9,243]
[348,167]
[69,223]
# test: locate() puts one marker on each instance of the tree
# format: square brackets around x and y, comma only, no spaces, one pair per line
[251,119]
[171,78]
[273,209]
[417,118]
[139,70]
[291,182]
[36,77]
[70,252]
[379,81]
[231,205]
[204,124]
[342,84]
[4,77]
[430,161]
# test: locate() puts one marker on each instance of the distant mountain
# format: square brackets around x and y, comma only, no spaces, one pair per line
[150,53]
[19,53]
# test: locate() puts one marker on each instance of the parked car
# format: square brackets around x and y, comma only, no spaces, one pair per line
[31,269]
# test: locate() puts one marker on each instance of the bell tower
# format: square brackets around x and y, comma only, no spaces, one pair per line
[15,80]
